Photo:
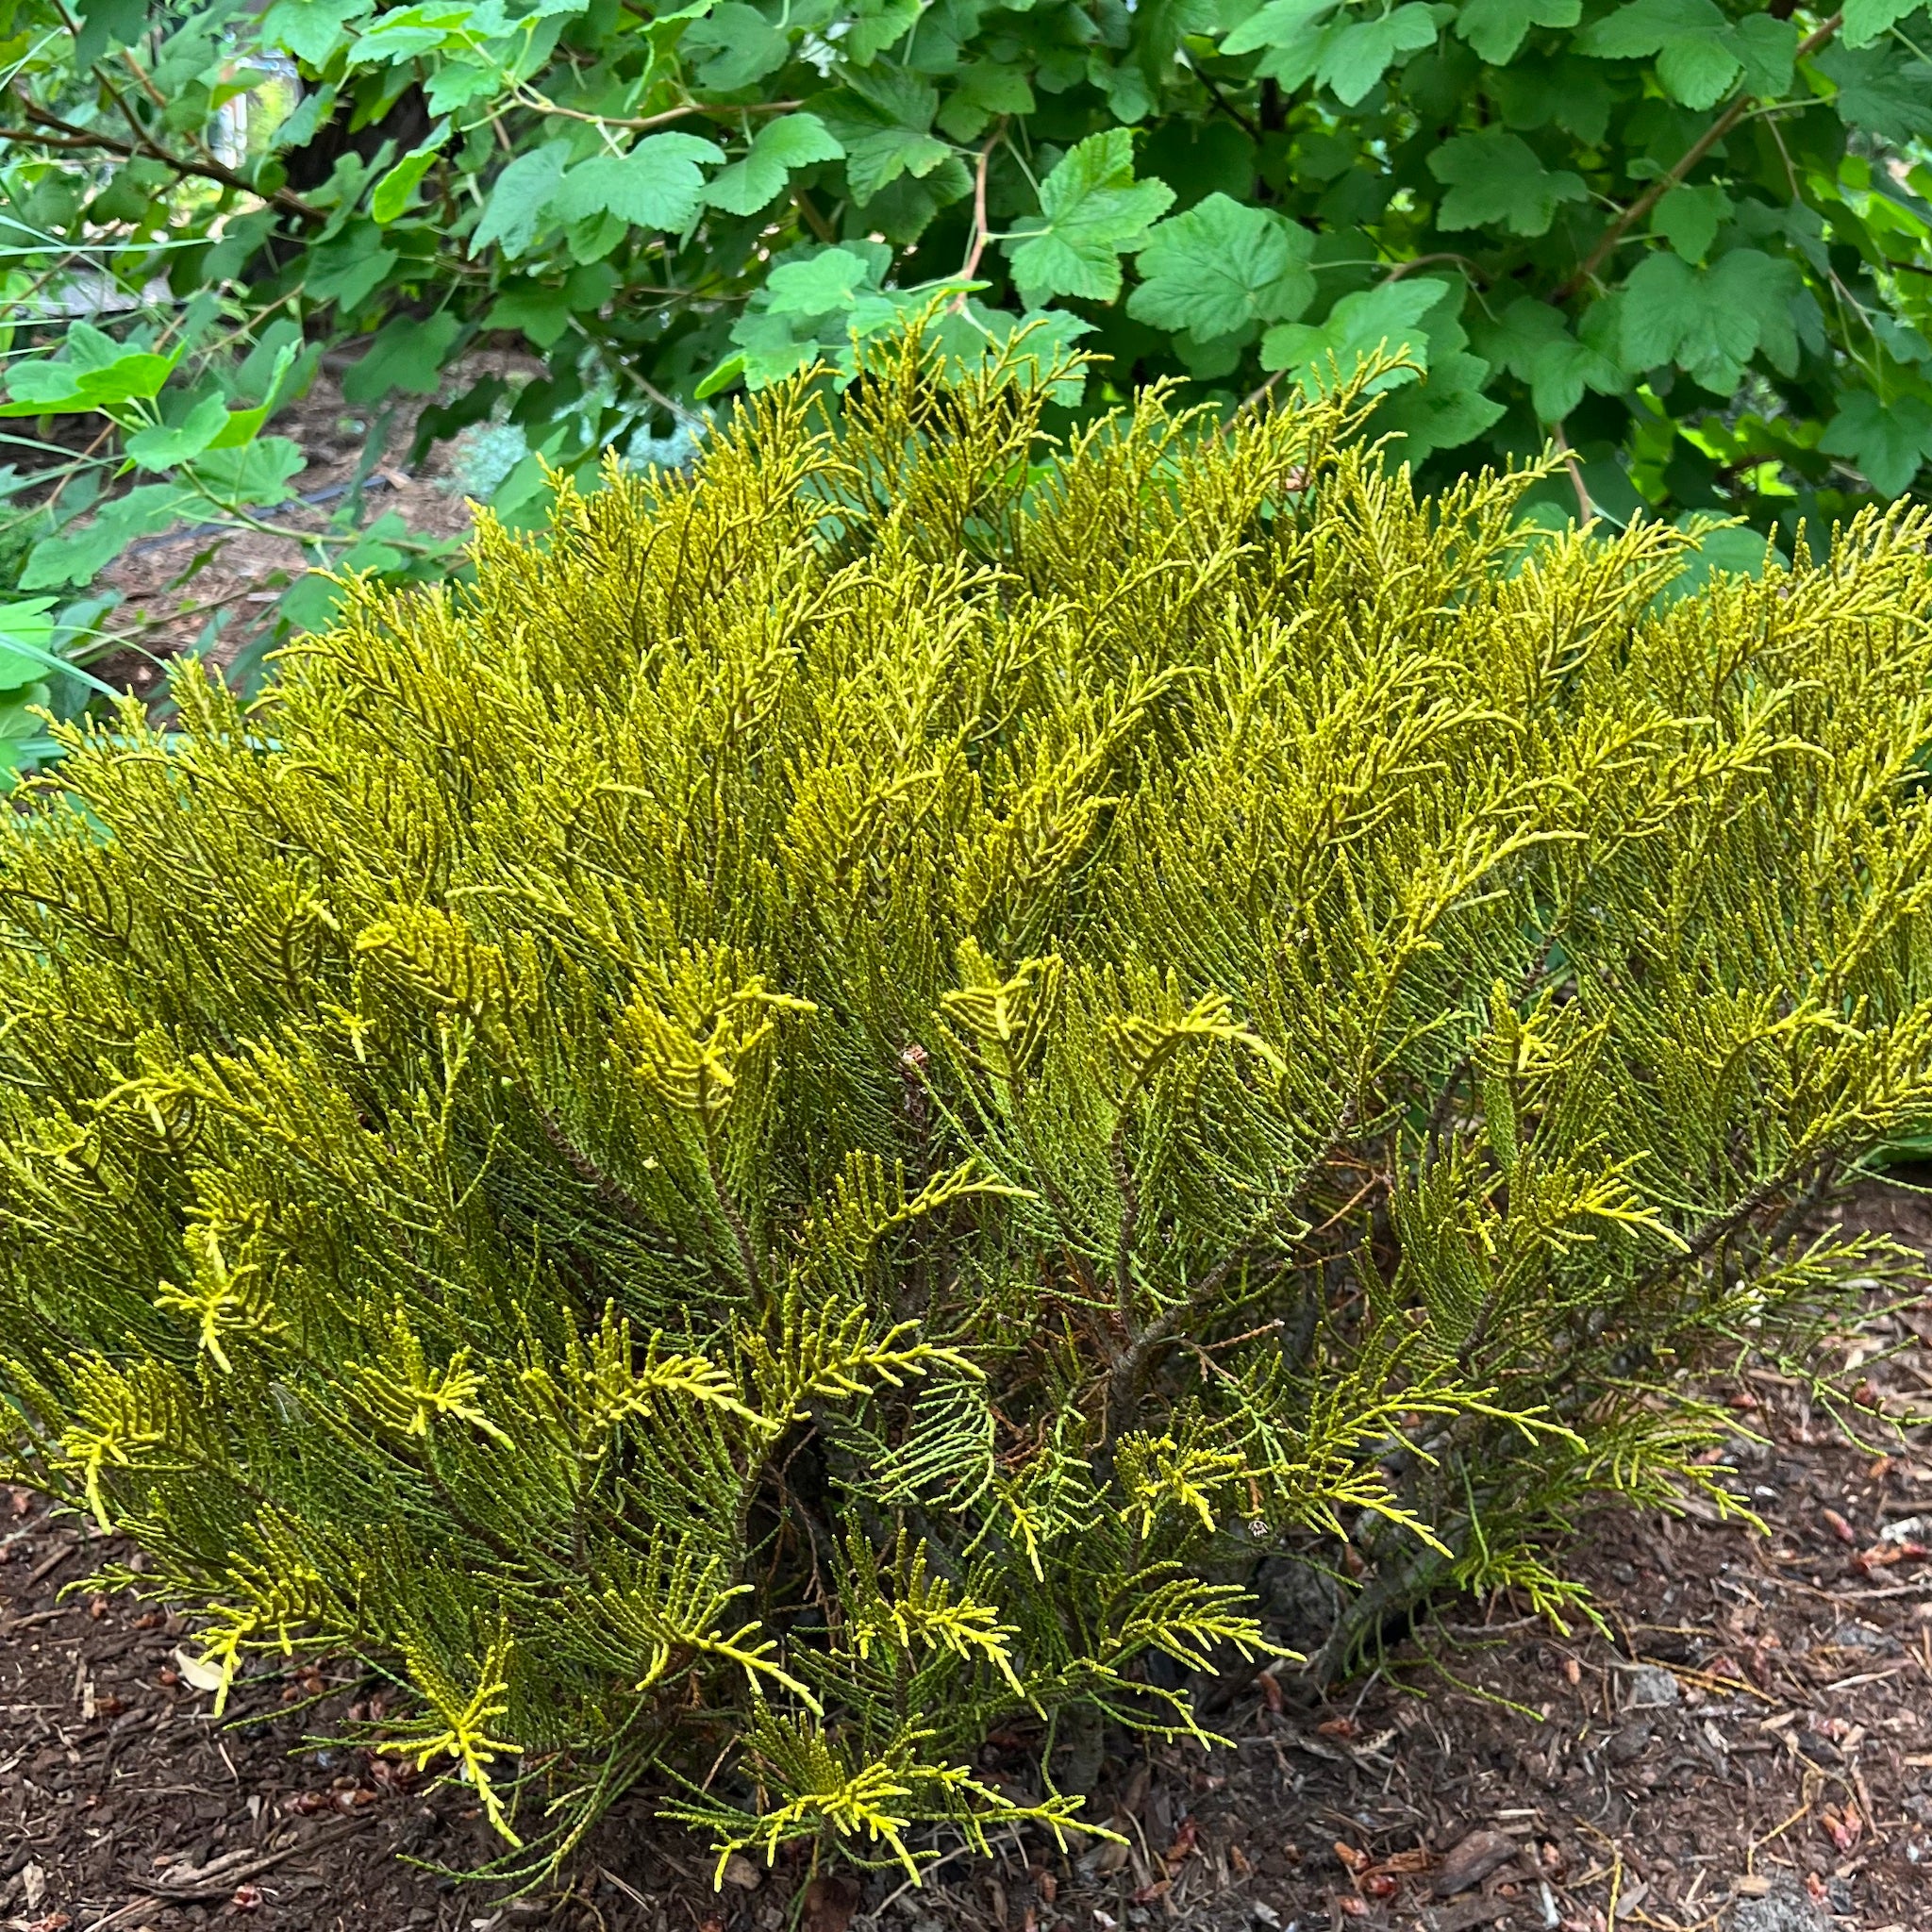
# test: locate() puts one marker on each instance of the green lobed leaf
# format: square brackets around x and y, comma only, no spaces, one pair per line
[1867,21]
[1709,322]
[1385,320]
[1091,212]
[1534,343]
[408,353]
[311,29]
[656,185]
[733,46]
[782,144]
[1693,40]
[1221,266]
[1354,56]
[80,556]
[1887,437]
[1496,177]
[1879,92]
[884,123]
[1497,29]
[519,198]
[161,447]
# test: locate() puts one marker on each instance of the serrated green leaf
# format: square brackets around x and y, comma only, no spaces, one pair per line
[1689,219]
[75,386]
[80,556]
[1879,94]
[876,25]
[980,91]
[734,45]
[161,446]
[1708,321]
[409,32]
[791,141]
[1532,341]
[519,198]
[255,475]
[1221,266]
[349,267]
[827,282]
[1387,319]
[106,24]
[310,29]
[1496,177]
[1497,29]
[1356,55]
[1866,21]
[1444,410]
[1768,49]
[884,123]
[1278,24]
[1887,438]
[1091,212]
[656,185]
[406,353]
[1693,40]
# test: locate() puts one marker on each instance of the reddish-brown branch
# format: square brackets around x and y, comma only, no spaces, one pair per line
[51,131]
[981,232]
[1693,155]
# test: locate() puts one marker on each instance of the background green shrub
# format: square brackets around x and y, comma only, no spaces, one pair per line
[1688,238]
[815,1116]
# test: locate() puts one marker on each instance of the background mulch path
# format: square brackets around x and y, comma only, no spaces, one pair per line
[1751,1749]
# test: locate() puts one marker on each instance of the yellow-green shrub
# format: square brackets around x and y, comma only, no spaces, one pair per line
[778,1131]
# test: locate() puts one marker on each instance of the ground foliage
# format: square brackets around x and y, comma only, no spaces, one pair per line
[804,1123]
[1686,237]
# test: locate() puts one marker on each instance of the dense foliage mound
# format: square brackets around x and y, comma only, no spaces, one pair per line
[813,1118]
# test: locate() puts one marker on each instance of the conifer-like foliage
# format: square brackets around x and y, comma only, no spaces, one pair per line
[806,1121]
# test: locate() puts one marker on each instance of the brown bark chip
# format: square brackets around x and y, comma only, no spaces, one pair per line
[1472,1861]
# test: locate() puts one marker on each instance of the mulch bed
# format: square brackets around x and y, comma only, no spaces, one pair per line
[1750,1750]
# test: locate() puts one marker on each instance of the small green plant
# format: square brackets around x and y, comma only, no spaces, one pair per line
[806,1121]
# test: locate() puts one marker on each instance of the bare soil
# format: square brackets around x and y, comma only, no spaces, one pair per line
[1748,1750]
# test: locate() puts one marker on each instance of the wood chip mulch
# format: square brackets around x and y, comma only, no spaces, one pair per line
[1749,1751]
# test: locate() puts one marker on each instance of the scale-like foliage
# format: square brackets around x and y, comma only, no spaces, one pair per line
[807,1122]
